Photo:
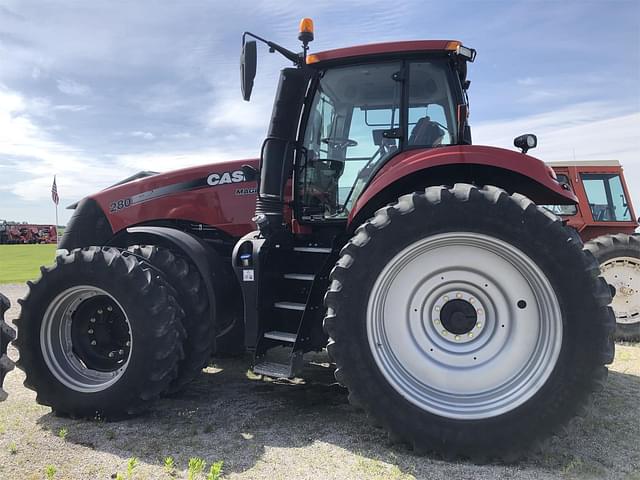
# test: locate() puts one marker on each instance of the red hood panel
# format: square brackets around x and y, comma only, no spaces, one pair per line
[215,194]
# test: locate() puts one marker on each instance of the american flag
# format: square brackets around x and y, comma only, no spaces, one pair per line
[54,192]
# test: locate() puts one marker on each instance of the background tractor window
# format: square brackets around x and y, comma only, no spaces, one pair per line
[607,200]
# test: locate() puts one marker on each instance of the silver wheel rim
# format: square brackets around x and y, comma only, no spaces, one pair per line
[57,346]
[624,274]
[500,363]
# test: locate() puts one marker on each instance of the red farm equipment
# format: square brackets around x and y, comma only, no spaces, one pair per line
[607,223]
[460,316]
[23,233]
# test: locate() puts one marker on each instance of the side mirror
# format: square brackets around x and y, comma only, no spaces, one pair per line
[248,62]
[526,142]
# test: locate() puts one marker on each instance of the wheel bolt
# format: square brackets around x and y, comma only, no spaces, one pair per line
[457,337]
[437,309]
[470,335]
[109,308]
[436,321]
[120,352]
[444,332]
[479,325]
[479,311]
[445,298]
[128,343]
[94,343]
[99,311]
[112,354]
[92,320]
[458,295]
[90,331]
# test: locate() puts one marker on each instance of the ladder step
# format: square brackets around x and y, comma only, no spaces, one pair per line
[307,277]
[282,336]
[290,305]
[312,249]
[273,369]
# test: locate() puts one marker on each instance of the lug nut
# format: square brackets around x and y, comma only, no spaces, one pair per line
[90,331]
[458,295]
[120,352]
[470,335]
[94,343]
[112,354]
[109,308]
[479,325]
[92,320]
[457,337]
[128,343]
[445,298]
[437,309]
[479,311]
[99,311]
[444,332]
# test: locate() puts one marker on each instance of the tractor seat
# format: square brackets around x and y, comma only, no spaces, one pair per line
[426,133]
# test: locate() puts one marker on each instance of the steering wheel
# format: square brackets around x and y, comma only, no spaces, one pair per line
[339,142]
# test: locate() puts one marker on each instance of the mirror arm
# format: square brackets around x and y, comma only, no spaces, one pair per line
[274,47]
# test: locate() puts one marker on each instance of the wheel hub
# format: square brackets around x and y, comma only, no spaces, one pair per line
[482,328]
[85,338]
[624,274]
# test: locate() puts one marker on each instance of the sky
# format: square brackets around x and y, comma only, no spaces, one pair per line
[96,91]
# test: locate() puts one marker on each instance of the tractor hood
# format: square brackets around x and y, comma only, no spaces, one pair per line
[216,194]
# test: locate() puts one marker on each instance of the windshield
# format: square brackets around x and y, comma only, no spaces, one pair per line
[354,126]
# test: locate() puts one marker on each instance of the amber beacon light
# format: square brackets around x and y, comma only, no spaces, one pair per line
[306,30]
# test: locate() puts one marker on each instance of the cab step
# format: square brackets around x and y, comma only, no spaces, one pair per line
[274,369]
[305,277]
[290,306]
[281,336]
[312,249]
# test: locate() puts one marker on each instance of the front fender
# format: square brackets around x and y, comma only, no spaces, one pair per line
[463,159]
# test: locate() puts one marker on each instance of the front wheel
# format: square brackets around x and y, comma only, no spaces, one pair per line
[482,328]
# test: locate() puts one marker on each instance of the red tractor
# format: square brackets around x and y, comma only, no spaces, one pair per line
[606,221]
[461,316]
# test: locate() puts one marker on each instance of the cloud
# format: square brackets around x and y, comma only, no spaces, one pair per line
[145,135]
[587,131]
[71,87]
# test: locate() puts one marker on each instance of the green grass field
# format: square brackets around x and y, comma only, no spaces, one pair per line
[19,263]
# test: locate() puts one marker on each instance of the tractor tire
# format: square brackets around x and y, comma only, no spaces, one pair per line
[468,322]
[7,334]
[619,259]
[99,334]
[192,296]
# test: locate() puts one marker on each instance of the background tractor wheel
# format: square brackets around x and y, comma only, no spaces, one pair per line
[192,296]
[619,258]
[99,334]
[468,322]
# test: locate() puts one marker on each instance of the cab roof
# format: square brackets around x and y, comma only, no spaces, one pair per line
[412,46]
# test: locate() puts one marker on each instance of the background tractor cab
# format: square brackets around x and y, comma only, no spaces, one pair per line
[607,223]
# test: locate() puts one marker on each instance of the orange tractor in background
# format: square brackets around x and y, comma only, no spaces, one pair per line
[607,223]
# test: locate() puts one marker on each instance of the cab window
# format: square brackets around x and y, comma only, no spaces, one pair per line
[606,197]
[564,210]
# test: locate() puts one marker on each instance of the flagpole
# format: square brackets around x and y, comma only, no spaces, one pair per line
[57,234]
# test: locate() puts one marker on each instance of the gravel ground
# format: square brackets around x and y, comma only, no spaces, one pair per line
[277,430]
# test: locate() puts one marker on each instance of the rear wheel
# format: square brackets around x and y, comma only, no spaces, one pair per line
[192,296]
[478,331]
[619,258]
[99,334]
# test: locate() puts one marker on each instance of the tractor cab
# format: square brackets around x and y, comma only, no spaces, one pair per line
[340,115]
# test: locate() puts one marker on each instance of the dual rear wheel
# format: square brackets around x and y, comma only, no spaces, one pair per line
[104,331]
